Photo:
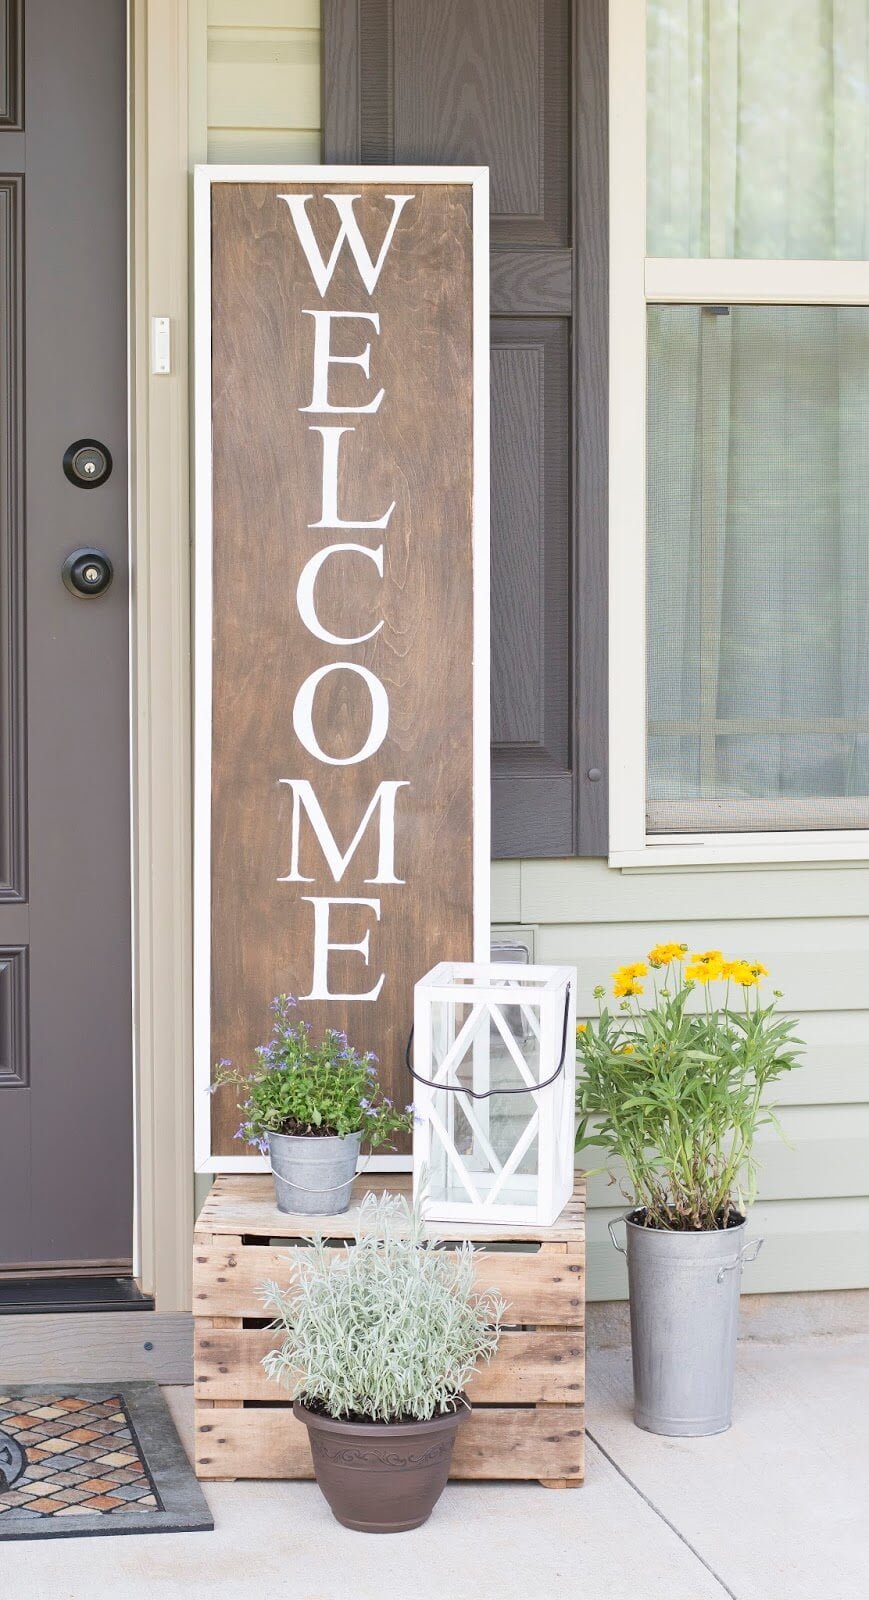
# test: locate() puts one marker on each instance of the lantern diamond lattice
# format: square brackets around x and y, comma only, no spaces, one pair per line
[495,1070]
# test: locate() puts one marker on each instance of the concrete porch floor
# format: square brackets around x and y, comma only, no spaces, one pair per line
[776,1509]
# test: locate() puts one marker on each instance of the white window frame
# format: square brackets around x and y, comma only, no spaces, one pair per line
[636,281]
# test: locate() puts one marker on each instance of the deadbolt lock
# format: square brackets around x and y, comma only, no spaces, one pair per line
[87,572]
[87,463]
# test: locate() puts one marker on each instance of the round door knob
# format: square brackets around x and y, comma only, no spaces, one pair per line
[87,572]
[87,463]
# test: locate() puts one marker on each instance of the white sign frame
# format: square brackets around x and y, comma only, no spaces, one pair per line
[477,179]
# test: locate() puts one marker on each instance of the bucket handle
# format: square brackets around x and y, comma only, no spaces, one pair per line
[334,1188]
[743,1259]
[610,1226]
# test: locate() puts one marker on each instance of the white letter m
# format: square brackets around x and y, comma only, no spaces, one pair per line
[305,799]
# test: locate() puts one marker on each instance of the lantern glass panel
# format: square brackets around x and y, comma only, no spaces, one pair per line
[486,1141]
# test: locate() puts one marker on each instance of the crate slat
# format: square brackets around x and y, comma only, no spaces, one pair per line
[245,1204]
[527,1368]
[495,1442]
[542,1288]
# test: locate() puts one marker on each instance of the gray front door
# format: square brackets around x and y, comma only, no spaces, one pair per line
[66,1166]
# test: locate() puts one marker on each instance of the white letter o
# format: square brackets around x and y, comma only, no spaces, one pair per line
[304,706]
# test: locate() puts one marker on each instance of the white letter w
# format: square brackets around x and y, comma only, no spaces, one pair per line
[322,271]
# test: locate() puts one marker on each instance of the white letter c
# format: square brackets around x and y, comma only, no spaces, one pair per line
[305,592]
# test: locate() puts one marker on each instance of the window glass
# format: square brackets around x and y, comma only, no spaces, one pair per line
[758,133]
[758,538]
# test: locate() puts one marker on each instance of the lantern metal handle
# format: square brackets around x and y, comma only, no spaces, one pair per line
[486,1094]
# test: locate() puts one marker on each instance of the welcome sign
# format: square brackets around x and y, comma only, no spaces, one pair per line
[342,605]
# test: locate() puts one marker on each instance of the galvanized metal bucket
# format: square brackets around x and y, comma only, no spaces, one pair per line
[684,1301]
[313,1177]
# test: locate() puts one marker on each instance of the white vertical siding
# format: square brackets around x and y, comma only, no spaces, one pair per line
[810,927]
[263,80]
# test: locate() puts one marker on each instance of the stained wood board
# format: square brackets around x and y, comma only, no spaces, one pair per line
[321,687]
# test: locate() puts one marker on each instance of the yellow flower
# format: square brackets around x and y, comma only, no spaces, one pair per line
[697,972]
[627,1050]
[758,970]
[663,954]
[743,974]
[581,1027]
[625,985]
[625,979]
[711,960]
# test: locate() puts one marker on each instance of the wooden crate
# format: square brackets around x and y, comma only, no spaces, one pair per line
[528,1417]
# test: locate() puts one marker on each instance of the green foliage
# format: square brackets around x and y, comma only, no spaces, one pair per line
[678,1095]
[302,1087]
[388,1329]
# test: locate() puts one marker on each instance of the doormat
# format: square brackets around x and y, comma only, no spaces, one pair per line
[91,1458]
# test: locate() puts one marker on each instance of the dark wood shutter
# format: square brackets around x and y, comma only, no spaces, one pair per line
[521,87]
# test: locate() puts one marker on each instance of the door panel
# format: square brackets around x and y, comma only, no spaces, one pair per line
[13,803]
[10,63]
[65,988]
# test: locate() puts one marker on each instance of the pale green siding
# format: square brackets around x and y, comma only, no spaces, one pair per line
[810,926]
[263,80]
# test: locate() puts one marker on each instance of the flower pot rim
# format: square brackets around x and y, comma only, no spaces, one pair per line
[378,1430]
[684,1233]
[317,1138]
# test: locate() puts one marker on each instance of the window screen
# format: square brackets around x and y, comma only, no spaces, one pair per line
[758,539]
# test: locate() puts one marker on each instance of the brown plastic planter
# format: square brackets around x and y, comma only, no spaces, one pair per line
[381,1477]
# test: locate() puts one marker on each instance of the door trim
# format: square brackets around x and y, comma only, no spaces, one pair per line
[160,652]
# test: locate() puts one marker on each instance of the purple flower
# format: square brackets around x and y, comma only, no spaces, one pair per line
[281,1006]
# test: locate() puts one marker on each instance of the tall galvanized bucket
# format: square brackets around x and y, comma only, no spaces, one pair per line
[313,1177]
[684,1300]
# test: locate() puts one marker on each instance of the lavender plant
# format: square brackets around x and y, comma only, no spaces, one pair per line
[388,1329]
[301,1086]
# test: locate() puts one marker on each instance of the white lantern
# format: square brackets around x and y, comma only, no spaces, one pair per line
[494,1059]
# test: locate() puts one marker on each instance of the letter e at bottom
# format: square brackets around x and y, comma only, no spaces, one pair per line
[320,982]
